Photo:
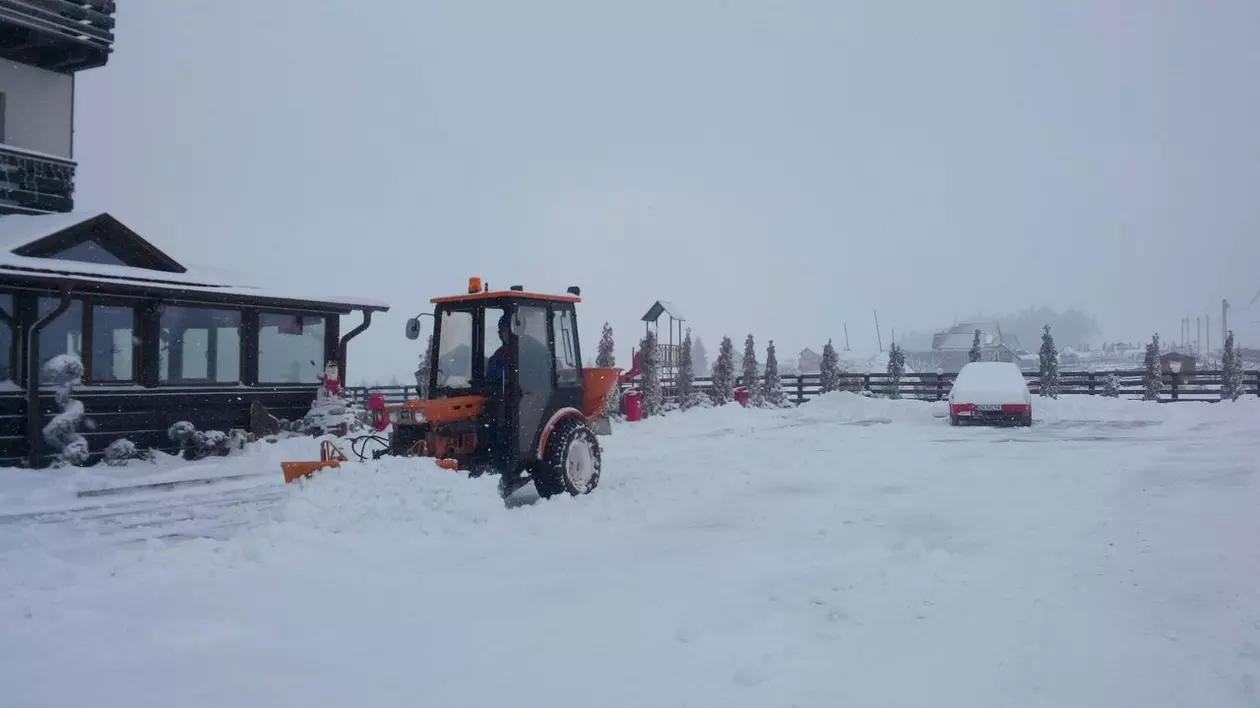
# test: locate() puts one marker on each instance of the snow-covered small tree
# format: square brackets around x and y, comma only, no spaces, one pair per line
[1111,385]
[1049,358]
[773,389]
[750,380]
[829,369]
[605,358]
[62,432]
[974,354]
[723,390]
[896,370]
[1231,371]
[688,396]
[1152,377]
[649,368]
[699,358]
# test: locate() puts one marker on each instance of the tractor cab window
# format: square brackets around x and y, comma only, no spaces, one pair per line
[454,352]
[494,345]
[562,323]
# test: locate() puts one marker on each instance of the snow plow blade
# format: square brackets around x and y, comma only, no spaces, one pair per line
[329,456]
[296,470]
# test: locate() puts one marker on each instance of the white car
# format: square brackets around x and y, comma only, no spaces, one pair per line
[990,392]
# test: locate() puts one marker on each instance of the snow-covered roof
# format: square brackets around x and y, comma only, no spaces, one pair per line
[666,307]
[20,231]
[962,335]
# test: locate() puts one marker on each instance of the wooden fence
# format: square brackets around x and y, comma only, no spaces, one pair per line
[1199,386]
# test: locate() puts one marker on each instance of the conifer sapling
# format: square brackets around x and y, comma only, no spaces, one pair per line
[723,390]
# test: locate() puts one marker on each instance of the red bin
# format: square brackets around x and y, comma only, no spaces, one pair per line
[741,395]
[376,407]
[633,400]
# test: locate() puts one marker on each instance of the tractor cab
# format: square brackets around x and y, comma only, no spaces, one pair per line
[505,387]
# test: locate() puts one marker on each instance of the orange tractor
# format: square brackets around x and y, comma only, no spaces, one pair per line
[507,393]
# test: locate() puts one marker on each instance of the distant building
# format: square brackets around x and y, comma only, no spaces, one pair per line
[1177,362]
[951,349]
[808,361]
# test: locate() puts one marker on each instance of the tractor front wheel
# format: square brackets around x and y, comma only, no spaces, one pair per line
[571,462]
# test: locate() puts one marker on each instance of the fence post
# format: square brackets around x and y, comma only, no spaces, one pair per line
[800,389]
[1175,380]
[1091,383]
[940,387]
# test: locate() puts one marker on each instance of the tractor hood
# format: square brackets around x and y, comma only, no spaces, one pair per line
[436,411]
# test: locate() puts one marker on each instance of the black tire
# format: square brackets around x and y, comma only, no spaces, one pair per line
[554,474]
[953,420]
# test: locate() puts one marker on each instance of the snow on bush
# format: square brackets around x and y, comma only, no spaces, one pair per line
[723,390]
[333,414]
[750,379]
[649,368]
[122,451]
[688,396]
[774,395]
[829,369]
[62,432]
[1231,371]
[1152,377]
[1111,386]
[896,370]
[974,354]
[196,444]
[606,358]
[1049,371]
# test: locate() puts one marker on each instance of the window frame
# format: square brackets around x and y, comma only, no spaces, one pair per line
[10,318]
[558,310]
[255,346]
[87,329]
[242,372]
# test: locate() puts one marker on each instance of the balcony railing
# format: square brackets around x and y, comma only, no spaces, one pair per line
[34,183]
[60,35]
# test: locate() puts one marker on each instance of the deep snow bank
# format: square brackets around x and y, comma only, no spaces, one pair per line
[851,551]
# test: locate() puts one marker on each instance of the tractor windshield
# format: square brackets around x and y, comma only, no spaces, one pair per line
[454,351]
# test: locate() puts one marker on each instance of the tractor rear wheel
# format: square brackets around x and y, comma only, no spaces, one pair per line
[571,462]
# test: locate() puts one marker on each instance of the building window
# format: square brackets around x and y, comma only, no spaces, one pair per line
[113,344]
[566,346]
[89,252]
[199,345]
[63,335]
[7,341]
[290,347]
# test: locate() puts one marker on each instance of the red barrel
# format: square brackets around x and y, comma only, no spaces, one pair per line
[633,399]
[376,406]
[741,395]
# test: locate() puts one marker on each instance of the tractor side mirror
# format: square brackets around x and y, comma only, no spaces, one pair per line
[413,328]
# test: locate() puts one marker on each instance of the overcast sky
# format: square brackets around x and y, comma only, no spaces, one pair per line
[776,168]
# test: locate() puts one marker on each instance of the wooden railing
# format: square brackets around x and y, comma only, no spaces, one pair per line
[1199,386]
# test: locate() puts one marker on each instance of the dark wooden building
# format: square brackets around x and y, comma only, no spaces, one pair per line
[159,343]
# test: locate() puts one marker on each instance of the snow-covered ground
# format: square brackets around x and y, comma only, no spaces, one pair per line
[849,552]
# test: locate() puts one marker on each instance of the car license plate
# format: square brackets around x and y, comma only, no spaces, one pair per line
[989,408]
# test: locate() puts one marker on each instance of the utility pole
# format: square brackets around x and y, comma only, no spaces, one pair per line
[879,338]
[1224,321]
[1198,338]
[846,336]
[1207,331]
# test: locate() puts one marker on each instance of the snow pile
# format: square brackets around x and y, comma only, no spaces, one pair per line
[814,556]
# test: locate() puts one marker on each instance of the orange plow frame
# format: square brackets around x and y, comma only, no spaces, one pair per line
[329,456]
